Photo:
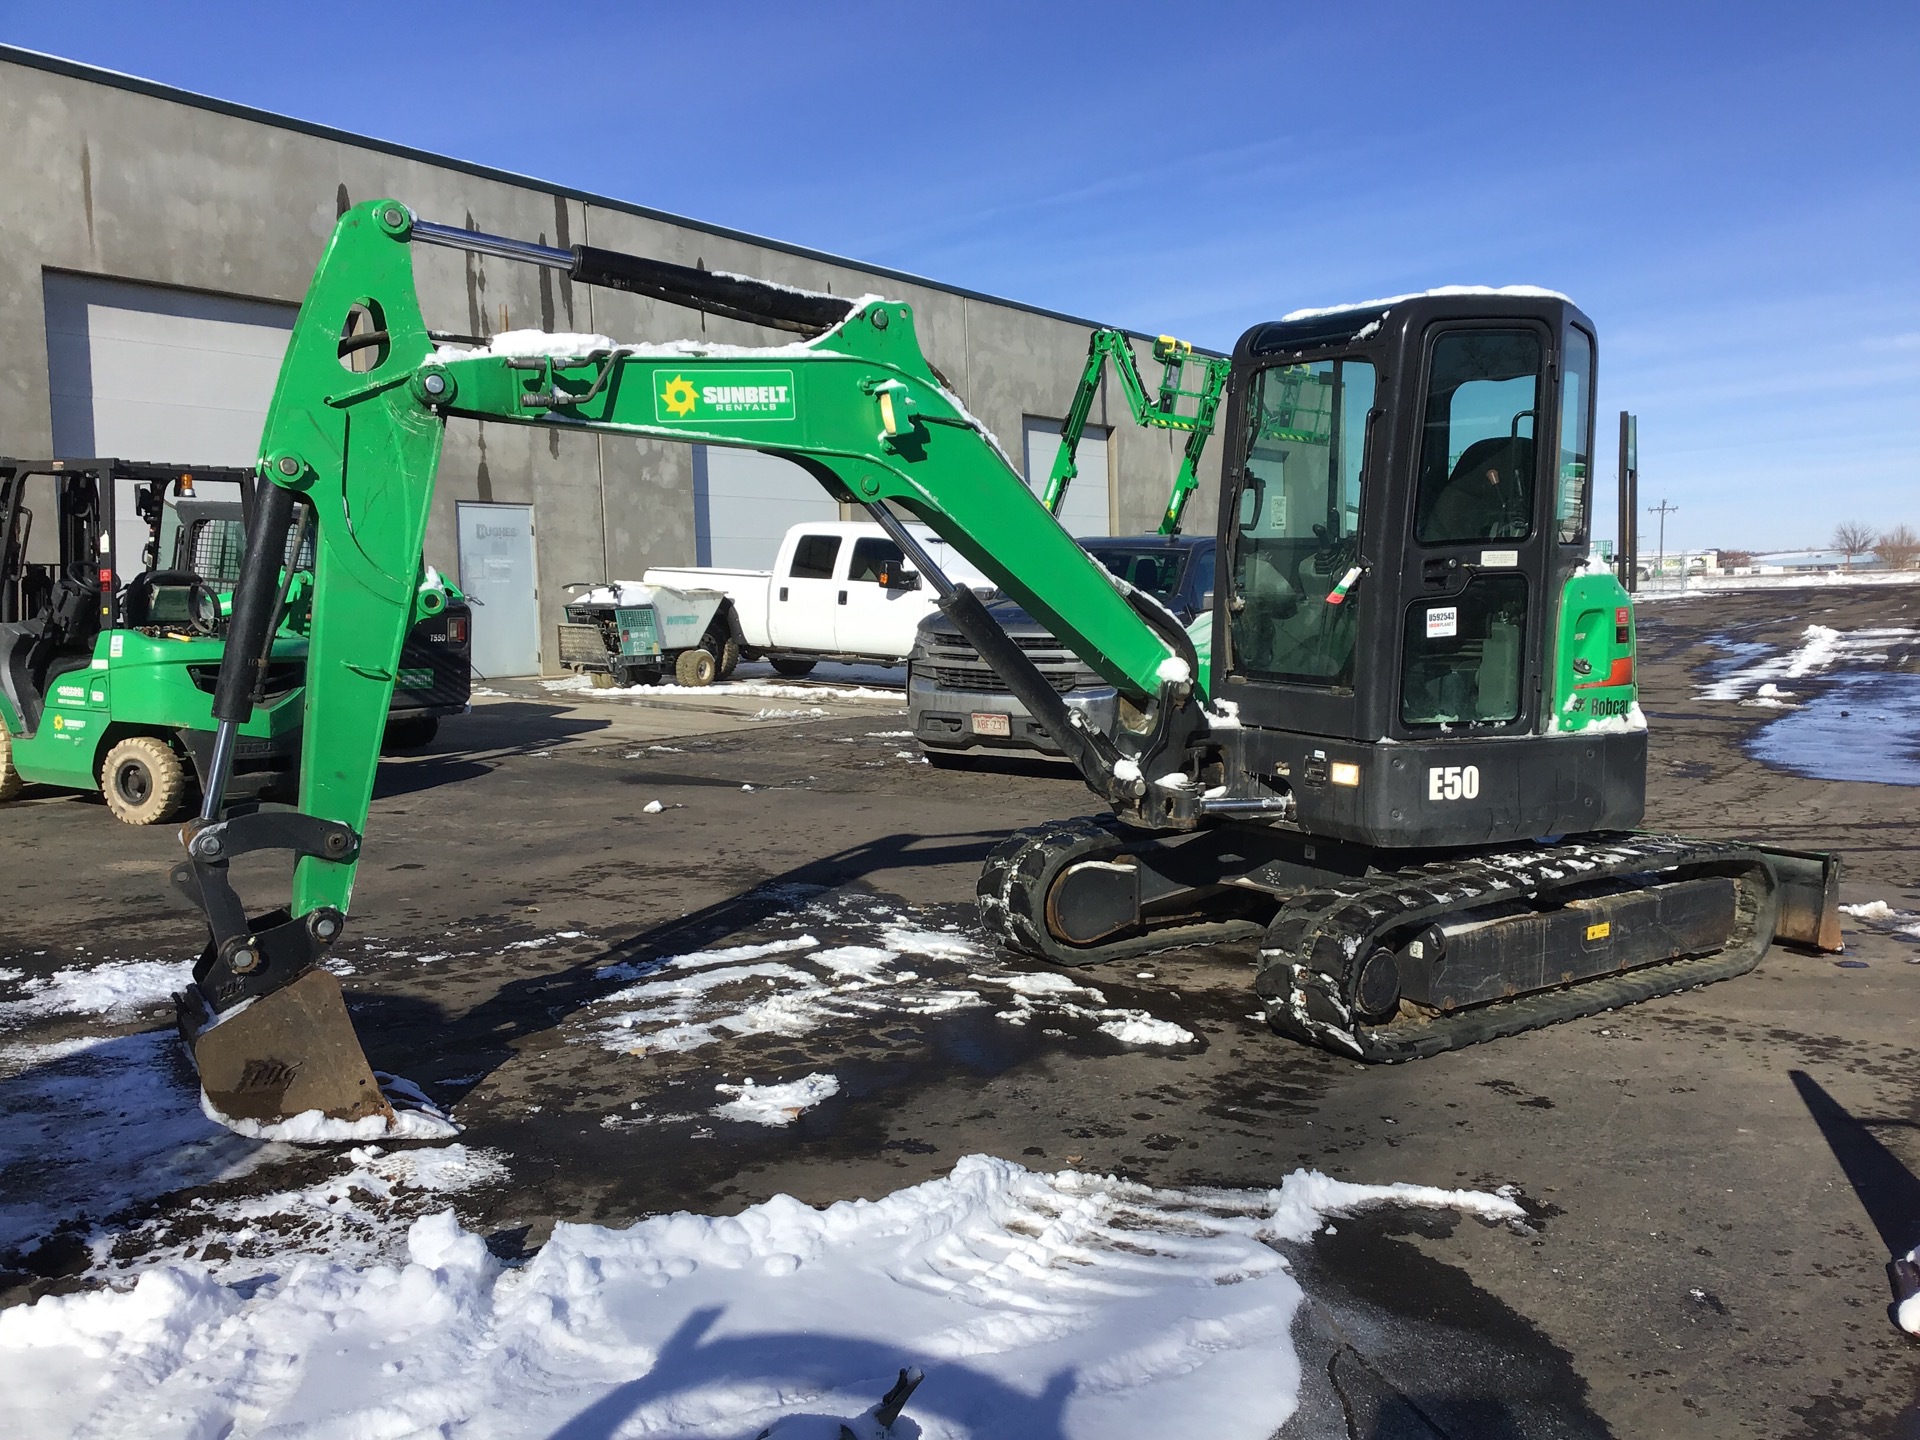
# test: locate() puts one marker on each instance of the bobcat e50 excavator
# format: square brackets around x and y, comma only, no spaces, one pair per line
[1406,774]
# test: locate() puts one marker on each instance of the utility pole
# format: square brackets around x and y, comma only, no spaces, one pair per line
[1663,509]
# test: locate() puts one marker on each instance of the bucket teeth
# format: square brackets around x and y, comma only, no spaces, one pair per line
[283,1054]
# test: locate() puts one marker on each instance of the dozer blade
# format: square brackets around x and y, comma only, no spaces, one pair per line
[285,1054]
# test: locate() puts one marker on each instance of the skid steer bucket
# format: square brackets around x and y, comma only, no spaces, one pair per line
[282,1055]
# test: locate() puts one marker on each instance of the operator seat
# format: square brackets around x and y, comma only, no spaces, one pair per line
[67,630]
[1489,495]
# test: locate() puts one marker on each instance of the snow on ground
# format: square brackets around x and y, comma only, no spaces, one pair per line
[1821,648]
[1888,919]
[797,984]
[767,689]
[1046,1307]
[116,990]
[775,1104]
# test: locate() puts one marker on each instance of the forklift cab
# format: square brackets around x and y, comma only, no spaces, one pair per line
[66,574]
[1407,496]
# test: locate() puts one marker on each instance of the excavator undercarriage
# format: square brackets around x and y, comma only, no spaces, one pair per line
[1400,762]
[1394,957]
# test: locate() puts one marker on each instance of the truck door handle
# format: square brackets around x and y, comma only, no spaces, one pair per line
[783,592]
[843,597]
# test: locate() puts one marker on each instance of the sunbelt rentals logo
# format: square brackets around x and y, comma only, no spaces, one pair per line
[723,395]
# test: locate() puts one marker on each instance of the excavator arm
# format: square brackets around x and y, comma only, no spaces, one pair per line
[1163,411]
[355,429]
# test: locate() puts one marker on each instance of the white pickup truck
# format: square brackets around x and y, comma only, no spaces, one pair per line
[838,590]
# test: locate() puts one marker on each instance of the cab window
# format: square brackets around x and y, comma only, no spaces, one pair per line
[813,557]
[1476,454]
[1576,447]
[875,560]
[1299,522]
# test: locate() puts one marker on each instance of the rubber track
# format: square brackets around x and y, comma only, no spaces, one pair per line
[1020,872]
[1313,950]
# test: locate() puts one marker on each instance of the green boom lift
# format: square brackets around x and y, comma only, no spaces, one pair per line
[1165,411]
[1412,796]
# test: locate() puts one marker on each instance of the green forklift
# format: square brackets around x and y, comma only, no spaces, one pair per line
[108,659]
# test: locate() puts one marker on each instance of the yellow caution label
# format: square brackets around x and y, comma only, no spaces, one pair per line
[1600,931]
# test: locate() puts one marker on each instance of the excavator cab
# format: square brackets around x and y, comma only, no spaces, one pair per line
[1407,508]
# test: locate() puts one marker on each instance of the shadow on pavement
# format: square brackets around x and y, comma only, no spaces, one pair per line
[1887,1190]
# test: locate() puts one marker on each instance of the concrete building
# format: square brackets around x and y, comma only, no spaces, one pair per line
[156,245]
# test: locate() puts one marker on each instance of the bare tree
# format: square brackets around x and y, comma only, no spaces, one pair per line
[1735,559]
[1851,538]
[1898,548]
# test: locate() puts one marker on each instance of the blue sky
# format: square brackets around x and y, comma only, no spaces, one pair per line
[1732,191]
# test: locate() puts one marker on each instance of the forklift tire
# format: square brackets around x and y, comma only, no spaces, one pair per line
[144,782]
[793,669]
[729,657]
[10,782]
[695,667]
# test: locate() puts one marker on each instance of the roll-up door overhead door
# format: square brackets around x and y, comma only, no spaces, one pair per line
[744,502]
[1086,509]
[143,372]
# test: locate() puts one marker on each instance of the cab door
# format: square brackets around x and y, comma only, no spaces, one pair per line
[880,604]
[806,594]
[1480,542]
[1292,538]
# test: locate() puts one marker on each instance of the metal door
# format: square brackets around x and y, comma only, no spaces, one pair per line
[497,572]
[1087,510]
[144,372]
[744,502]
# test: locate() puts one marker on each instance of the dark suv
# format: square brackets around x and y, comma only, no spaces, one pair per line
[959,708]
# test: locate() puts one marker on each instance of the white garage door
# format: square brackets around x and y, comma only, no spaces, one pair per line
[1085,511]
[141,372]
[744,501]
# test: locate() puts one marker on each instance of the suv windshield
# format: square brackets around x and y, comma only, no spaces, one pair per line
[1156,569]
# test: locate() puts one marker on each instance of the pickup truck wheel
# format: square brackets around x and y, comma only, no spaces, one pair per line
[793,669]
[10,782]
[729,658]
[695,667]
[143,781]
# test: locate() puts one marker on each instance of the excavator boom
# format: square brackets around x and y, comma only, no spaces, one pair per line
[352,442]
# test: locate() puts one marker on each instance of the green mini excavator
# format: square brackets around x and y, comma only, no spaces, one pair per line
[1405,775]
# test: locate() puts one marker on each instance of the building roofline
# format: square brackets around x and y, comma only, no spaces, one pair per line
[154,89]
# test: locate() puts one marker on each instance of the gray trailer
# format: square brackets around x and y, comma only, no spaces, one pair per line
[630,634]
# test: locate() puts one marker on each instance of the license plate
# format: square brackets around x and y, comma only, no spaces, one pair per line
[990,725]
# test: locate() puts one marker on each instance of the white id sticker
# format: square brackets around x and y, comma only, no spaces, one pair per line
[1443,622]
[1499,559]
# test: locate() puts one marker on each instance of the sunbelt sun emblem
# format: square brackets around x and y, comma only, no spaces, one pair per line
[725,395]
[680,397]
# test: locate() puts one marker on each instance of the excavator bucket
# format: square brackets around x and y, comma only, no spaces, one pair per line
[282,1055]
